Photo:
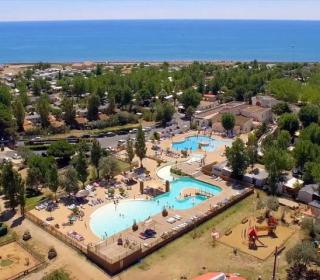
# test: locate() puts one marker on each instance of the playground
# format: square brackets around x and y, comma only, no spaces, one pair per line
[257,238]
[14,260]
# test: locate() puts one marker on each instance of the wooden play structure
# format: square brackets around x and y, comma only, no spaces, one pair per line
[253,232]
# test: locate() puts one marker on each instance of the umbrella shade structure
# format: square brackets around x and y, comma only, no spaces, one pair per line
[82,193]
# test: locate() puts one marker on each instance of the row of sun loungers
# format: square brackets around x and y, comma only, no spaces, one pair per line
[173,219]
[75,235]
[95,202]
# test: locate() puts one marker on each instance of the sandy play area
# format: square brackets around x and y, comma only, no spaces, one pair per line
[236,240]
[14,259]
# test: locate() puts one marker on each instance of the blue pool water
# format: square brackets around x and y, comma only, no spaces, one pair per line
[111,219]
[193,142]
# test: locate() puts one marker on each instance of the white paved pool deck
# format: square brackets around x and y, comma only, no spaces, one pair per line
[83,226]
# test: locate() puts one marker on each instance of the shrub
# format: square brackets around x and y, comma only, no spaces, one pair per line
[3,230]
[164,212]
[52,253]
[135,226]
[273,203]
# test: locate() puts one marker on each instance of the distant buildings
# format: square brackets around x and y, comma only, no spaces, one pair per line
[245,115]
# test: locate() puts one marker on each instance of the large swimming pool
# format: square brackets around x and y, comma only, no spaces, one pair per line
[192,143]
[111,219]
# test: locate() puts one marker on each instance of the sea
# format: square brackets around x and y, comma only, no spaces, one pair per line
[159,40]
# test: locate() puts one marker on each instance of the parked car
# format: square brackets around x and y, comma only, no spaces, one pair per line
[110,134]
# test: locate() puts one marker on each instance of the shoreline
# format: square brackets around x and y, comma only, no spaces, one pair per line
[152,62]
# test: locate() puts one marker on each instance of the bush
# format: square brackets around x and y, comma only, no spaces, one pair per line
[273,203]
[303,253]
[164,212]
[57,275]
[3,230]
[134,226]
[52,253]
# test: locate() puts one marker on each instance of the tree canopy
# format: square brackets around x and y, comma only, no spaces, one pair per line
[238,158]
[289,122]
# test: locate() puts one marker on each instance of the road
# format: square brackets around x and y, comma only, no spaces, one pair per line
[106,142]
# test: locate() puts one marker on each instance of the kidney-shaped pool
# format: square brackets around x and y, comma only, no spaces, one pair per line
[111,219]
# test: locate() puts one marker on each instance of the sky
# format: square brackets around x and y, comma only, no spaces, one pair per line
[21,10]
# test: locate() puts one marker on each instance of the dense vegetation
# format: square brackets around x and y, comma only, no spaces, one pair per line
[143,88]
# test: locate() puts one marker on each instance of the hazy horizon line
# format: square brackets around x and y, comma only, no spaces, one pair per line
[156,19]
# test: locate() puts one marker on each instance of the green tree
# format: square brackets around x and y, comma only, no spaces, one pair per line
[311,133]
[36,87]
[303,253]
[309,114]
[96,154]
[190,97]
[112,104]
[252,148]
[7,124]
[164,112]
[276,161]
[238,158]
[140,145]
[5,95]
[285,89]
[228,121]
[130,150]
[61,149]
[283,139]
[79,86]
[43,109]
[281,108]
[52,178]
[93,107]
[99,69]
[19,113]
[109,167]
[10,181]
[69,180]
[21,194]
[189,113]
[289,122]
[69,111]
[81,166]
[305,151]
[38,167]
[299,271]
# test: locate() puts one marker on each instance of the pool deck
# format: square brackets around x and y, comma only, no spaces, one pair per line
[108,248]
[159,223]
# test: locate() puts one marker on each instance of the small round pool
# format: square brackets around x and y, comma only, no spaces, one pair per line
[193,142]
[111,219]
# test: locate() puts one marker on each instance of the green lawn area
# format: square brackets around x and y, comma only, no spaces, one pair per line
[5,262]
[33,201]
[196,253]
[124,166]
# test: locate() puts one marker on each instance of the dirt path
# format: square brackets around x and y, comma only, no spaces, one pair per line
[73,262]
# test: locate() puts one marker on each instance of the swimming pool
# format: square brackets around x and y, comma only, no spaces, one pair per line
[110,219]
[192,143]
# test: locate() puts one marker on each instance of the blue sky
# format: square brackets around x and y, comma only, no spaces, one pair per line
[17,10]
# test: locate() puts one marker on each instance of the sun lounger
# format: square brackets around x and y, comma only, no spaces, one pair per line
[171,220]
[177,217]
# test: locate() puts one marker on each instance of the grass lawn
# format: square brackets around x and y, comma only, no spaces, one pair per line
[33,201]
[195,253]
[124,166]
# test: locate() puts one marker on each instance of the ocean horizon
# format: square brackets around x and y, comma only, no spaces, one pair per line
[159,40]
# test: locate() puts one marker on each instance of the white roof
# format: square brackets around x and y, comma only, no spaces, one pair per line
[291,183]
